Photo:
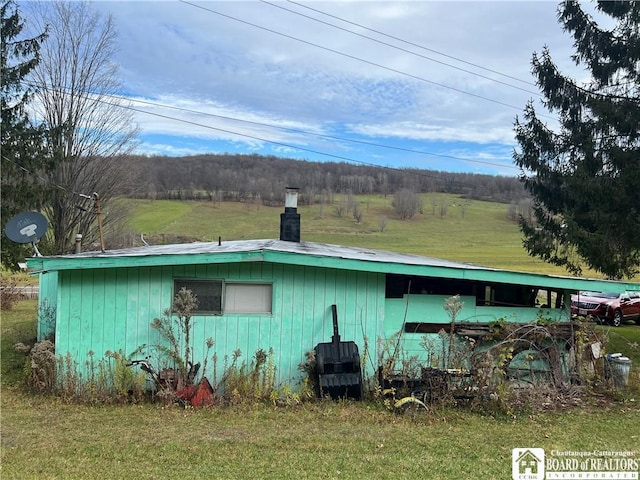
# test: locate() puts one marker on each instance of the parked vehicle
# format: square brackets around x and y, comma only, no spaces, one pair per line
[607,307]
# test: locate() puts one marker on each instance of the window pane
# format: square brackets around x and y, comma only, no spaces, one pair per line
[247,298]
[208,293]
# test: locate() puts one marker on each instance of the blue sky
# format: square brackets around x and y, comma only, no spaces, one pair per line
[435,82]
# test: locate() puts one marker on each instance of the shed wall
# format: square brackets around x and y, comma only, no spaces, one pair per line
[103,310]
[47,301]
[430,309]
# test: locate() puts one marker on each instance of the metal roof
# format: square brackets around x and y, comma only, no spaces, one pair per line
[310,254]
[240,246]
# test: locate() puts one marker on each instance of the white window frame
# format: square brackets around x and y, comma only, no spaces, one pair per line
[236,297]
[248,298]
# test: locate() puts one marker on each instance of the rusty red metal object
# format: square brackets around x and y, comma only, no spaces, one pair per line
[197,395]
[203,395]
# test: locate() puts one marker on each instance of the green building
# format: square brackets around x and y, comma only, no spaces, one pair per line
[278,294]
[262,294]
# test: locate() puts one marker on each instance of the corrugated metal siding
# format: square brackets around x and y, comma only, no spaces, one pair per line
[112,309]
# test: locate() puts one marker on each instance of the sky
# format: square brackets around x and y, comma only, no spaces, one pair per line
[427,84]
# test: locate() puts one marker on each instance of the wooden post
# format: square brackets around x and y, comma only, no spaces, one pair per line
[98,212]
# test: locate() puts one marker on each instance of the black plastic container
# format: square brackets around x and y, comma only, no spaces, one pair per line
[338,366]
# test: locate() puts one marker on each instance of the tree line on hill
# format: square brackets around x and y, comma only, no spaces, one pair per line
[233,177]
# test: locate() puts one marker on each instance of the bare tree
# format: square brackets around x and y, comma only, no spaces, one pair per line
[89,125]
[464,206]
[434,203]
[443,207]
[351,201]
[407,203]
[342,208]
[357,213]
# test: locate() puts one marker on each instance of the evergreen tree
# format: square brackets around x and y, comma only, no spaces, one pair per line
[22,157]
[584,176]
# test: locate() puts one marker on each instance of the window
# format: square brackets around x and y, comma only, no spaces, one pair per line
[217,297]
[208,293]
[486,294]
[248,297]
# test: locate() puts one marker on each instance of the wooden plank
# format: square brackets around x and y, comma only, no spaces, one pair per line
[560,330]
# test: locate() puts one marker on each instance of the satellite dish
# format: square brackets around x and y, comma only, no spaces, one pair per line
[26,227]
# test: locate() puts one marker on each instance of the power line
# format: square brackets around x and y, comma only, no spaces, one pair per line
[47,181]
[396,47]
[282,144]
[353,57]
[416,45]
[414,171]
[294,130]
[321,135]
[362,142]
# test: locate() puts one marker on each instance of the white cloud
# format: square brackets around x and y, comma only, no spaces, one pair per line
[242,60]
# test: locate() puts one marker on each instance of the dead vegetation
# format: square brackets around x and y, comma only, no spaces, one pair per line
[497,367]
[505,367]
[10,293]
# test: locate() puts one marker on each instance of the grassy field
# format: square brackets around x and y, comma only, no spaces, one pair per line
[46,438]
[478,232]
[624,339]
[43,439]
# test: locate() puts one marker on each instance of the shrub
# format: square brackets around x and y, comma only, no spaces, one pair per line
[253,382]
[108,380]
[40,367]
[9,293]
[503,368]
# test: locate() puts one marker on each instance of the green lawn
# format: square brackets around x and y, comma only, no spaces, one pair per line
[624,339]
[16,325]
[479,232]
[46,438]
[158,215]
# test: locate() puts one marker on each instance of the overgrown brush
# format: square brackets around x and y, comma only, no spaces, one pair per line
[106,380]
[249,382]
[174,328]
[513,367]
[10,293]
[479,372]
[238,382]
[40,366]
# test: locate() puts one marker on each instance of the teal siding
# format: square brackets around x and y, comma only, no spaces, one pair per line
[107,300]
[47,302]
[112,290]
[103,310]
[430,309]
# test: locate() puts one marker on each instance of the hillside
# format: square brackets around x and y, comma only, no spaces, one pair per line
[450,227]
[241,177]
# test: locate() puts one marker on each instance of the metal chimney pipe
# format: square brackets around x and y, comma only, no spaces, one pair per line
[290,219]
[78,243]
[291,198]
